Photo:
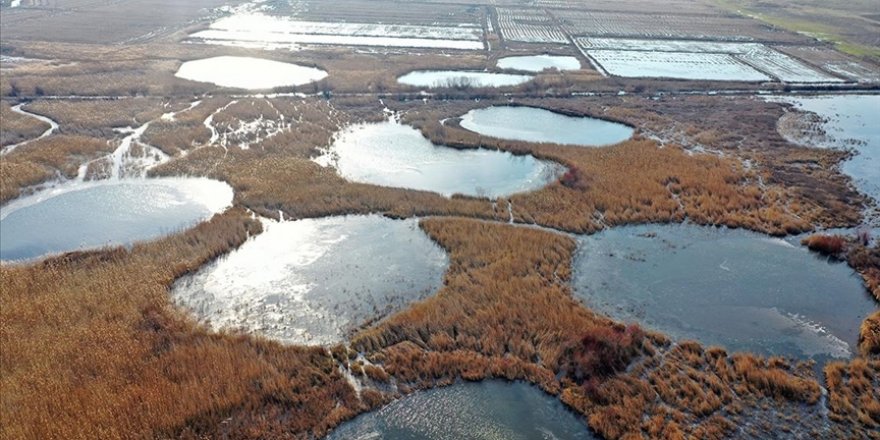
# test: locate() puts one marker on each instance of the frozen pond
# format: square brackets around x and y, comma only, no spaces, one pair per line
[93,214]
[539,63]
[311,281]
[461,79]
[849,122]
[392,154]
[538,125]
[248,73]
[484,410]
[734,288]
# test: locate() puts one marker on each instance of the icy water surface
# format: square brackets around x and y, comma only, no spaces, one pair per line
[396,155]
[86,215]
[310,281]
[849,122]
[248,73]
[733,288]
[484,410]
[538,63]
[538,125]
[457,78]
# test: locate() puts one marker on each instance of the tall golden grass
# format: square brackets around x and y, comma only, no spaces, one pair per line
[17,127]
[854,394]
[869,335]
[43,159]
[98,117]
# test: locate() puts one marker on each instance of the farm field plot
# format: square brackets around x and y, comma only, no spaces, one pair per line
[836,62]
[737,58]
[251,29]
[529,26]
[120,21]
[669,26]
[681,65]
[388,12]
[640,6]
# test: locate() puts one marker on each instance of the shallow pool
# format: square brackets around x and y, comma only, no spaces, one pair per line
[849,122]
[86,215]
[396,155]
[311,281]
[484,410]
[734,288]
[538,125]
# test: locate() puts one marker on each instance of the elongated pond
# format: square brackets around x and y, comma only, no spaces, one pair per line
[461,79]
[539,63]
[733,288]
[484,410]
[532,124]
[392,154]
[86,215]
[248,73]
[311,281]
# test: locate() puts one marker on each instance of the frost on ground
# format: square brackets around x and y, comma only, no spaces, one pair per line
[529,26]
[461,79]
[688,59]
[538,63]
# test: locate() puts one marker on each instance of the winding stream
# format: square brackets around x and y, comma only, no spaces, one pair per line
[53,127]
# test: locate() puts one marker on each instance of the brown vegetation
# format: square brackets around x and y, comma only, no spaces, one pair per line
[831,245]
[43,159]
[869,335]
[17,127]
[854,393]
[98,117]
[637,181]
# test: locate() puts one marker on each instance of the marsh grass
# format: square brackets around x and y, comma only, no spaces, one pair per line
[17,127]
[43,159]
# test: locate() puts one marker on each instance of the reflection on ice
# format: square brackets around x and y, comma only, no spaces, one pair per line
[392,154]
[310,281]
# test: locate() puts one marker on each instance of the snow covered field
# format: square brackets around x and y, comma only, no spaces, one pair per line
[528,26]
[710,60]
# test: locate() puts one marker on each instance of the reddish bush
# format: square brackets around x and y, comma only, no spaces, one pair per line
[826,244]
[574,178]
[604,351]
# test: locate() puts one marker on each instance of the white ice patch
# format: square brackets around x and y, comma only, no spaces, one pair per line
[248,73]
